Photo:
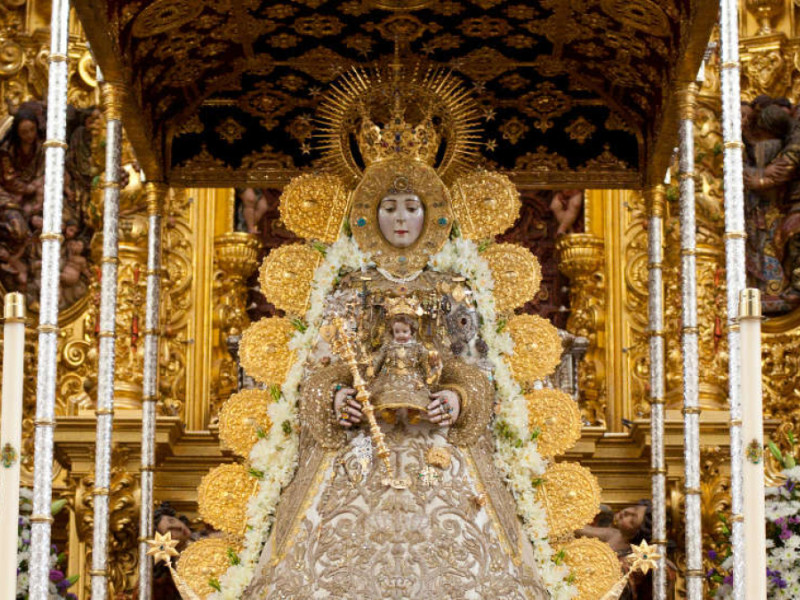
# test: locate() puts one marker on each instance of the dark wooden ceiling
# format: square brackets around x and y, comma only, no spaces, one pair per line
[573,92]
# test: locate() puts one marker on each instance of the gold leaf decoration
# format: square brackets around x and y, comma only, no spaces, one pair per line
[222,497]
[286,276]
[571,496]
[313,206]
[516,272]
[241,418]
[594,565]
[205,560]
[557,417]
[264,351]
[537,348]
[485,203]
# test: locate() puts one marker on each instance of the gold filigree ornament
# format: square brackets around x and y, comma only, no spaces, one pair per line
[313,206]
[517,275]
[594,565]
[264,351]
[571,497]
[222,497]
[242,419]
[485,203]
[557,418]
[207,560]
[537,348]
[286,276]
[422,180]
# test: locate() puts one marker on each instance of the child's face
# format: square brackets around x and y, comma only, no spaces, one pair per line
[401,332]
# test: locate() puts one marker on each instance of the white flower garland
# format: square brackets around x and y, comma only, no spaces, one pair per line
[515,452]
[275,456]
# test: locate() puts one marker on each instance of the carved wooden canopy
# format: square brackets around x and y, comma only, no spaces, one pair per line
[574,92]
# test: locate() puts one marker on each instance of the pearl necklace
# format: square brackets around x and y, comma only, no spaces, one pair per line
[394,279]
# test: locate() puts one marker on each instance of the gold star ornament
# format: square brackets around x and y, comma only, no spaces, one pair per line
[645,557]
[162,548]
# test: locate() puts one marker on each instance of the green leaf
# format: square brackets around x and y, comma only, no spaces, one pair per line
[571,578]
[775,452]
[484,244]
[275,392]
[320,247]
[535,434]
[537,482]
[73,579]
[286,427]
[256,473]
[214,583]
[348,231]
[56,506]
[501,325]
[233,558]
[299,324]
[455,231]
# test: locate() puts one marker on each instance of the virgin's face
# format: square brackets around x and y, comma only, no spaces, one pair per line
[401,217]
[27,132]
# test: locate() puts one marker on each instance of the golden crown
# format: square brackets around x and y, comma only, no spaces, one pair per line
[398,138]
[428,106]
[402,305]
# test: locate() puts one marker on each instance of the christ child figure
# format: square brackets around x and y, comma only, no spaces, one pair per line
[403,369]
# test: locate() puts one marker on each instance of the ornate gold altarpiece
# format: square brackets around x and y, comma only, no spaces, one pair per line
[207,264]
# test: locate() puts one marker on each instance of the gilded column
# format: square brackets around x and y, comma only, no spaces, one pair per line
[156,193]
[55,150]
[734,262]
[687,95]
[112,98]
[655,310]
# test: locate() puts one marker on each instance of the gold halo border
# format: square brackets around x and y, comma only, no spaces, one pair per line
[516,272]
[313,206]
[486,204]
[378,179]
[537,348]
[558,418]
[240,417]
[222,497]
[264,352]
[571,496]
[594,564]
[206,559]
[286,276]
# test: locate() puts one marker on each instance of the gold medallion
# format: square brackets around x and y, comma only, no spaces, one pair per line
[286,276]
[594,564]
[222,497]
[557,417]
[206,560]
[485,203]
[517,275]
[537,348]
[264,352]
[313,206]
[242,418]
[571,496]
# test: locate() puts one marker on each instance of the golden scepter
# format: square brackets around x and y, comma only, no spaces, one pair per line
[342,345]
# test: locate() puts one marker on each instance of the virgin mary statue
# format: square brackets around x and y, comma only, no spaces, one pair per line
[390,451]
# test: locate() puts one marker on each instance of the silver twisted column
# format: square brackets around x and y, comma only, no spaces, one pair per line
[734,263]
[155,201]
[112,96]
[689,336]
[55,149]
[655,311]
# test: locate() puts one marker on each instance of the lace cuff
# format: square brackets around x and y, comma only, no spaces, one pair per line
[316,405]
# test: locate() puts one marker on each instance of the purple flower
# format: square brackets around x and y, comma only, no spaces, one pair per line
[63,584]
[712,555]
[56,575]
[728,579]
[785,534]
[71,596]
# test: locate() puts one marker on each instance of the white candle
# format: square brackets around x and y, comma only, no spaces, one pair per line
[11,439]
[755,546]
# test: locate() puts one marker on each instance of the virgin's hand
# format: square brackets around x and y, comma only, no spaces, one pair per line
[345,404]
[444,408]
